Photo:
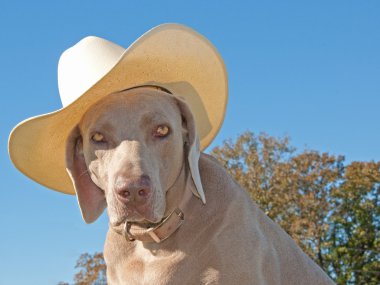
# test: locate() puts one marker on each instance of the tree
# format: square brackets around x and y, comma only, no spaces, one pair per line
[354,256]
[92,270]
[331,210]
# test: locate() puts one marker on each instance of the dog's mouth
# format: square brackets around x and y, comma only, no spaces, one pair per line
[141,214]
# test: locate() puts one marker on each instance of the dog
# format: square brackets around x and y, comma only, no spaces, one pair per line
[176,216]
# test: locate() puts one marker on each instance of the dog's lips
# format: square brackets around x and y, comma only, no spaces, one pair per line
[132,214]
[139,213]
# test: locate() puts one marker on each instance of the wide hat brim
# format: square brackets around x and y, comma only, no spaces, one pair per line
[172,56]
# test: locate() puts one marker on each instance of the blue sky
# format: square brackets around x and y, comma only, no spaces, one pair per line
[307,69]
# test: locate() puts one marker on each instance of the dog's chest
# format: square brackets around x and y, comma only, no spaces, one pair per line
[169,263]
[146,266]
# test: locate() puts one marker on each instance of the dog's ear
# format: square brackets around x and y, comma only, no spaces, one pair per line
[91,198]
[192,147]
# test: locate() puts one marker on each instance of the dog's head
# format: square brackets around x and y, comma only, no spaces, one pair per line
[128,151]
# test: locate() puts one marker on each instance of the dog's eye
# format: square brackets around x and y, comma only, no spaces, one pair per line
[98,138]
[161,131]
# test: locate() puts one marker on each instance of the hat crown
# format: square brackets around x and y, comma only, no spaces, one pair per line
[82,65]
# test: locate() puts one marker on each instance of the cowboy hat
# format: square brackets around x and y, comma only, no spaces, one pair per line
[170,56]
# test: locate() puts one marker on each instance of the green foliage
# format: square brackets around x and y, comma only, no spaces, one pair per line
[354,235]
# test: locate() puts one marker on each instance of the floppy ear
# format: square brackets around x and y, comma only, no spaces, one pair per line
[192,145]
[91,198]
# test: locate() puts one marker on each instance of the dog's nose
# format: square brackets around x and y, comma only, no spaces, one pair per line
[137,189]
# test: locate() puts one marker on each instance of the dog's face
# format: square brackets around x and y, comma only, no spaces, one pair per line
[133,148]
[127,151]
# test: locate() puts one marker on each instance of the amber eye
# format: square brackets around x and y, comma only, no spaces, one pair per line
[98,138]
[161,131]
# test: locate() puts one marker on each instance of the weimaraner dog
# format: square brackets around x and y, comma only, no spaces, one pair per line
[136,152]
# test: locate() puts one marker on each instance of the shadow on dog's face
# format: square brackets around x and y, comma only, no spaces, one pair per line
[125,154]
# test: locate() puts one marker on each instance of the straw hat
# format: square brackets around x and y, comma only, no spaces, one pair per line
[170,56]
